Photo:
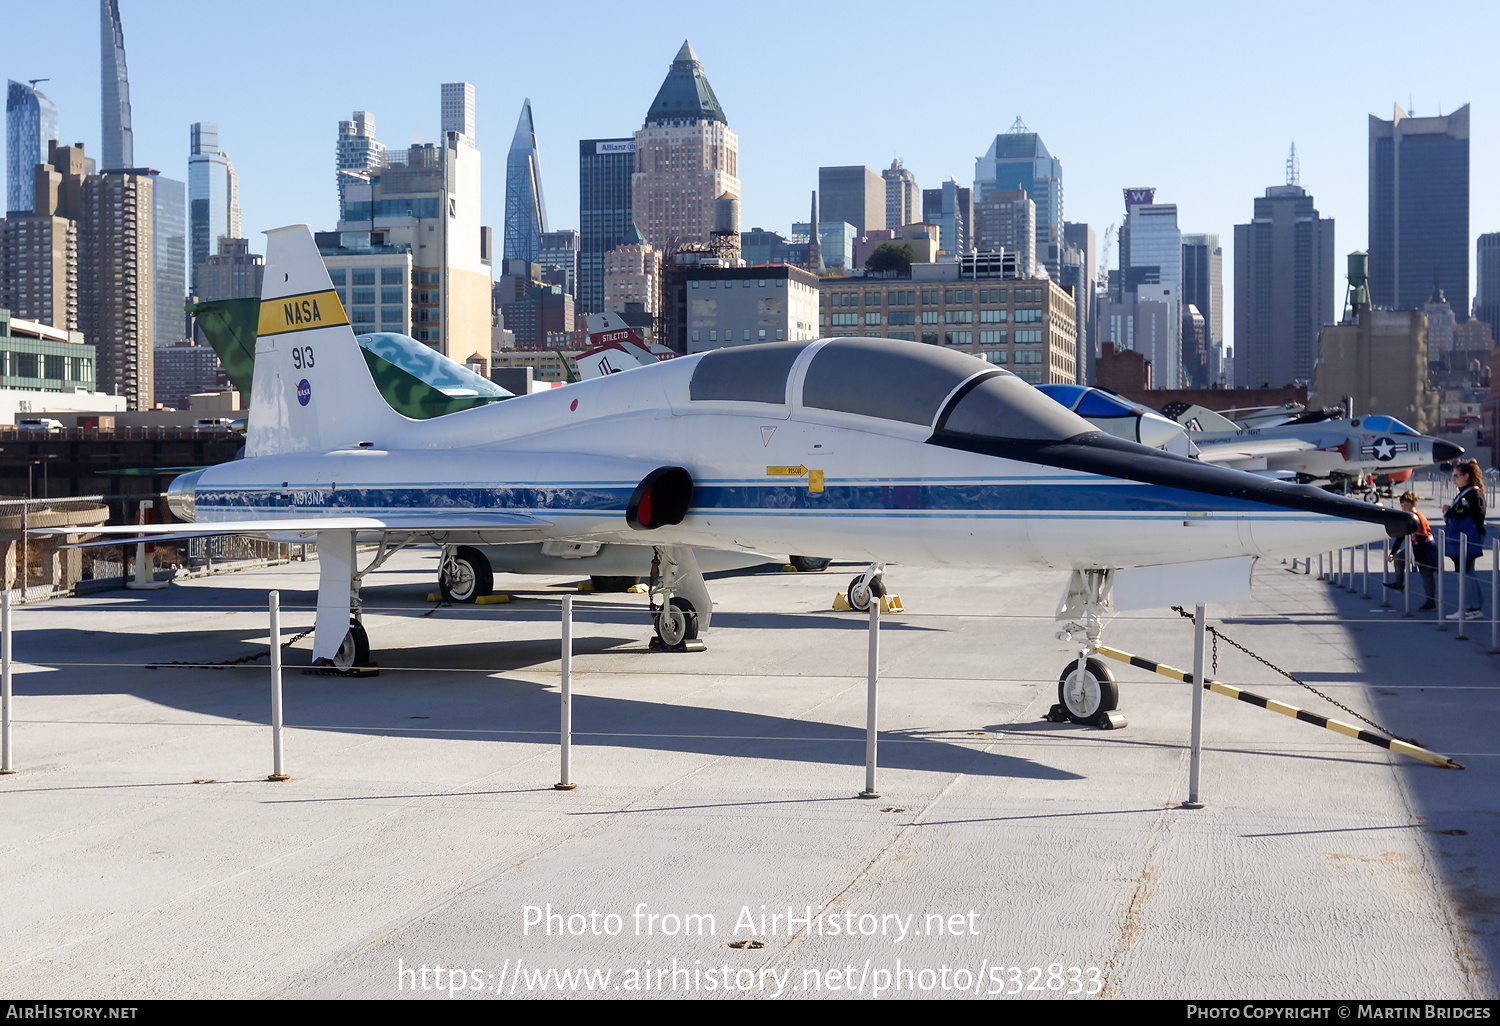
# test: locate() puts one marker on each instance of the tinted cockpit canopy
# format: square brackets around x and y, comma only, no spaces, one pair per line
[1382,425]
[889,379]
[423,362]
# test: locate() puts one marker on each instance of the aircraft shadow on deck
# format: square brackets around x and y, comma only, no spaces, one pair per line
[457,693]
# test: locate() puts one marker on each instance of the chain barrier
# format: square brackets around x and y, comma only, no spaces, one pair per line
[242,660]
[1289,676]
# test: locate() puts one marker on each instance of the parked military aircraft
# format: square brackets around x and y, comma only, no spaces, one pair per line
[867,449]
[1120,417]
[1314,447]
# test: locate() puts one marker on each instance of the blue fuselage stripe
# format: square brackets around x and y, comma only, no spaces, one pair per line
[1083,498]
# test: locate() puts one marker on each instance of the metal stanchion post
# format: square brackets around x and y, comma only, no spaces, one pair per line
[1463,592]
[1365,576]
[1385,578]
[1406,573]
[1320,566]
[1495,598]
[278,770]
[1195,749]
[566,783]
[6,766]
[1439,535]
[872,700]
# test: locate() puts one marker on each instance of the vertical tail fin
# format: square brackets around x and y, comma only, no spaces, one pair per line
[312,390]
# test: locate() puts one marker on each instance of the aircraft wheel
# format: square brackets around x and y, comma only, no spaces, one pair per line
[810,564]
[861,593]
[1087,699]
[355,649]
[677,624]
[466,576]
[614,583]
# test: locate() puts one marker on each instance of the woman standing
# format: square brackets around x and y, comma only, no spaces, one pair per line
[1465,518]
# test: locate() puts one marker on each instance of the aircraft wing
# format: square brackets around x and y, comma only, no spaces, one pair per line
[306,527]
[1229,450]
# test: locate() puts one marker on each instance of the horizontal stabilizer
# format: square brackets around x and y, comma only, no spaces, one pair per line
[1247,447]
[304,527]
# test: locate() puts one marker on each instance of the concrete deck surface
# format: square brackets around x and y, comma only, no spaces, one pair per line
[422,824]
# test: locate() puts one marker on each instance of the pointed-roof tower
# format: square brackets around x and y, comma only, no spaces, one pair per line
[685,95]
[686,158]
[525,209]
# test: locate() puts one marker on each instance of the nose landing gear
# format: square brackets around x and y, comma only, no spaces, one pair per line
[1086,689]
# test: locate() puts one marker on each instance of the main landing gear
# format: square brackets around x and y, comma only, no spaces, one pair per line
[1086,690]
[680,606]
[340,642]
[867,587]
[465,574]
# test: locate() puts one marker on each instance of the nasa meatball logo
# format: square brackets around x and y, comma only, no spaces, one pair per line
[304,392]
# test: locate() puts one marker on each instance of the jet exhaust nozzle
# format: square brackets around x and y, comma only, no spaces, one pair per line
[660,500]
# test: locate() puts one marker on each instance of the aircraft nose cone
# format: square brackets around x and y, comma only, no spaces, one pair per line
[1444,451]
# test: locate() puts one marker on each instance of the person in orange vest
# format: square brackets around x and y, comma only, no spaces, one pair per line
[1424,554]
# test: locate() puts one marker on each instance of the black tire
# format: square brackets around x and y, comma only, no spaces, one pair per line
[614,583]
[466,576]
[859,594]
[810,564]
[355,649]
[1098,695]
[678,625]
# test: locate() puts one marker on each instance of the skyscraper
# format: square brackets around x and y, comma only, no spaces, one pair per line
[116,284]
[356,153]
[605,168]
[39,252]
[525,209]
[1151,269]
[686,157]
[855,195]
[415,238]
[114,80]
[1005,221]
[1080,259]
[1283,288]
[951,208]
[169,254]
[458,108]
[213,198]
[903,200]
[1203,287]
[1419,210]
[1018,159]
[30,123]
[1487,285]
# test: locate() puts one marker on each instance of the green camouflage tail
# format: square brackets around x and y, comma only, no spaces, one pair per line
[230,326]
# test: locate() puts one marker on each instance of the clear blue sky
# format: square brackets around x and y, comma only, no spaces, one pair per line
[1198,100]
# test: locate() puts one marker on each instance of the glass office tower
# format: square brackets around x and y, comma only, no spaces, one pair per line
[114,81]
[1419,210]
[30,123]
[604,170]
[525,209]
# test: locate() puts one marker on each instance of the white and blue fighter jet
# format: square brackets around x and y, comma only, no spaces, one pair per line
[866,449]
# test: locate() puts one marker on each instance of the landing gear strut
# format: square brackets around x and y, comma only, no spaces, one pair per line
[680,606]
[340,642]
[1086,690]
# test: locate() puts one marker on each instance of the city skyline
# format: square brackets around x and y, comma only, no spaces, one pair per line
[1323,96]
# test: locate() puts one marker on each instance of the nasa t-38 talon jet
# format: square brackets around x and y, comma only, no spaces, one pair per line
[867,449]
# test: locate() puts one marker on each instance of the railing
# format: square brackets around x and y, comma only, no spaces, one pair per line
[9,433]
